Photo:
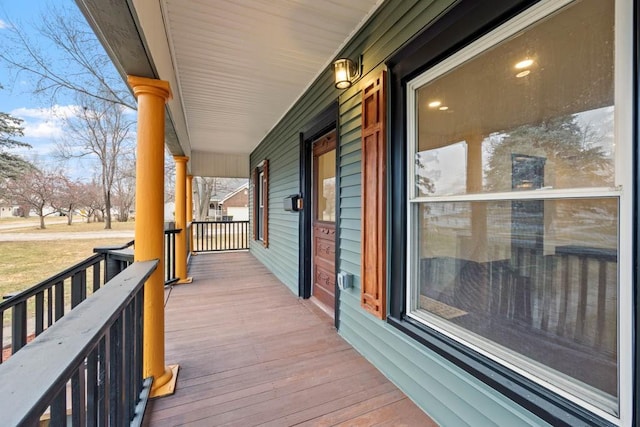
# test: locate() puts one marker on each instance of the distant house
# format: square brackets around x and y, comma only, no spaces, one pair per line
[236,204]
[8,210]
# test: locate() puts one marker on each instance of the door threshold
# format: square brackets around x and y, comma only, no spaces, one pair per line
[319,307]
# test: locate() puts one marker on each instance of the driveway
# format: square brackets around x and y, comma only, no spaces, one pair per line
[30,237]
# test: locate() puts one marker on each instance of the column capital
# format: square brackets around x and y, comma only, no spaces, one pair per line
[144,85]
[181,159]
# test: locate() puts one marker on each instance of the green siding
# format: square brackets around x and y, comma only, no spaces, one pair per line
[448,394]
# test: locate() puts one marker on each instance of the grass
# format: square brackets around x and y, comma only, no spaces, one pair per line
[24,264]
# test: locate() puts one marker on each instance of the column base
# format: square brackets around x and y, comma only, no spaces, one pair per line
[166,384]
[184,281]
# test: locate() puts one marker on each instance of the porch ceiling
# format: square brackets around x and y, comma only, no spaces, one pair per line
[235,67]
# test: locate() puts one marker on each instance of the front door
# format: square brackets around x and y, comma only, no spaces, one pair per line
[324,221]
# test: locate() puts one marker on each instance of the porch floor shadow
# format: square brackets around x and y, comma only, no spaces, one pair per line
[252,353]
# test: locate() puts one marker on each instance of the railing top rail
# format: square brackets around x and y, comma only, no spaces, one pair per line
[103,249]
[173,231]
[54,355]
[51,281]
[220,222]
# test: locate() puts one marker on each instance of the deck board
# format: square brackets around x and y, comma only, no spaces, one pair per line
[251,353]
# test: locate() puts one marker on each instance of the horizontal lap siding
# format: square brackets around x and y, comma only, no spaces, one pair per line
[282,147]
[444,391]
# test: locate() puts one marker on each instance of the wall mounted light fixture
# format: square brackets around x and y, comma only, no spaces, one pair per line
[346,72]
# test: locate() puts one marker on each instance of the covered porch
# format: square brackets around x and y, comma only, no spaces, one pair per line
[251,353]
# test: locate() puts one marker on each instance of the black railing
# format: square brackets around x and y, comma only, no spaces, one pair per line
[37,308]
[170,255]
[94,355]
[211,236]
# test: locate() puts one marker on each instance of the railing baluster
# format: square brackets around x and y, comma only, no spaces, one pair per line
[103,382]
[96,277]
[19,326]
[78,402]
[115,371]
[59,300]
[39,312]
[129,386]
[58,409]
[78,288]
[92,388]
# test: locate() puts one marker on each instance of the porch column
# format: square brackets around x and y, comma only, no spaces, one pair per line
[190,210]
[152,95]
[181,219]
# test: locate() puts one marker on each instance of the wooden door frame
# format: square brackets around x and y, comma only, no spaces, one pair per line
[323,123]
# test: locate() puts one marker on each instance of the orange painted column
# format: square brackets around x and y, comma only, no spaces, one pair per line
[149,229]
[190,210]
[181,219]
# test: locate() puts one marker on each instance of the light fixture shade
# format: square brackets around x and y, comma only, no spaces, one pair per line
[345,73]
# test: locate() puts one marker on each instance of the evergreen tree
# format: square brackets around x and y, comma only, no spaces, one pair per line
[11,165]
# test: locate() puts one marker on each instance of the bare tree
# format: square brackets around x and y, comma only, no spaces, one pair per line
[124,189]
[103,130]
[67,197]
[35,189]
[169,177]
[92,201]
[62,57]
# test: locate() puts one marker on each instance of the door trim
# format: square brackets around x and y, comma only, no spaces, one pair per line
[321,124]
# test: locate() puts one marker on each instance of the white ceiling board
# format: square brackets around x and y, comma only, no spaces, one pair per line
[241,64]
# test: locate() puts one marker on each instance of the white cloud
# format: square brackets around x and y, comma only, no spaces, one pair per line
[45,129]
[44,123]
[56,112]
[3,24]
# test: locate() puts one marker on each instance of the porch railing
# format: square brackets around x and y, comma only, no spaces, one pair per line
[211,236]
[39,307]
[170,255]
[94,354]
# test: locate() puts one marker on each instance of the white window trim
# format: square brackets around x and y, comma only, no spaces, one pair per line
[623,119]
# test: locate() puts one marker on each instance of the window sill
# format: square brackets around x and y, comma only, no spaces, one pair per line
[538,400]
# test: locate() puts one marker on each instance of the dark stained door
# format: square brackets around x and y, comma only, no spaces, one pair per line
[324,220]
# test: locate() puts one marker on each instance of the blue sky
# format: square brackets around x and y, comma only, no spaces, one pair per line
[43,126]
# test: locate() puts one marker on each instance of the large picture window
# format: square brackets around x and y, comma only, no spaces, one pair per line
[516,212]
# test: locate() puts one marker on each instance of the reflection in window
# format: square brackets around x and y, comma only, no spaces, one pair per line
[532,283]
[442,171]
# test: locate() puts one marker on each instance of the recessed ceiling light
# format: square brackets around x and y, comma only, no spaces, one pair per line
[443,108]
[434,104]
[524,73]
[526,63]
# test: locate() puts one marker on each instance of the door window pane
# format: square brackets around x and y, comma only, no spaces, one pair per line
[326,187]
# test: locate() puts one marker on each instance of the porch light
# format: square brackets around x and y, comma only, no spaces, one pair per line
[346,72]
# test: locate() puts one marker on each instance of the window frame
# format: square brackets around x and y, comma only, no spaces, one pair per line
[261,203]
[463,24]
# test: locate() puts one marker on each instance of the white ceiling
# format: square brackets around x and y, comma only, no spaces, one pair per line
[239,65]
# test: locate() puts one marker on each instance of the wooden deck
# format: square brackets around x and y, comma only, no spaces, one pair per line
[251,353]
